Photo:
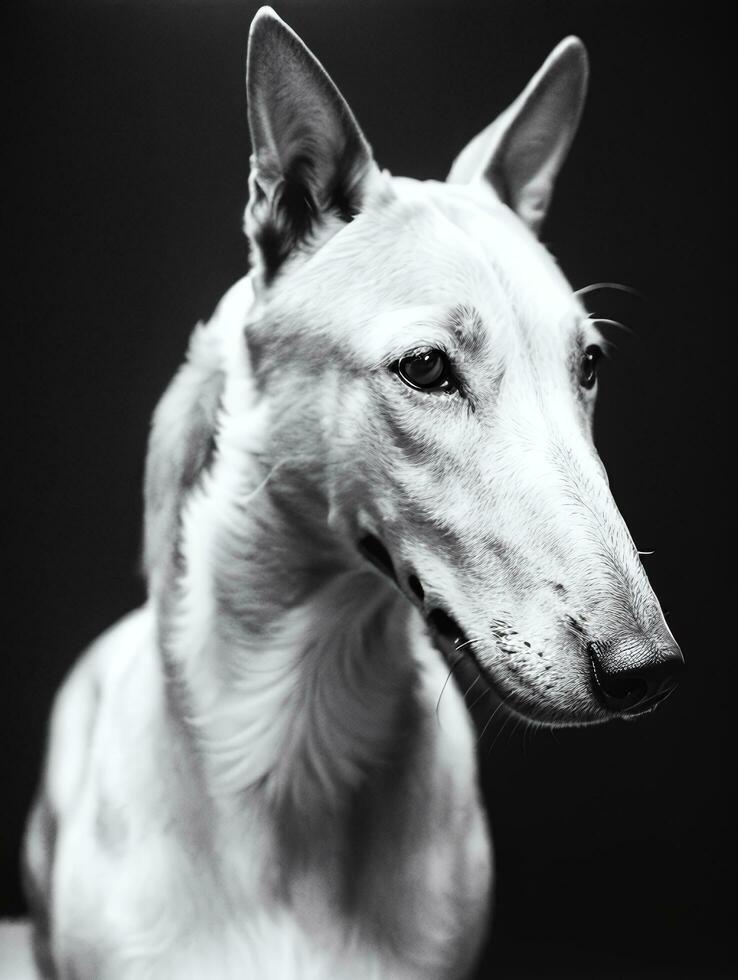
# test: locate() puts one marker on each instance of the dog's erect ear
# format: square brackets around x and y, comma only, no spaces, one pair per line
[310,161]
[521,152]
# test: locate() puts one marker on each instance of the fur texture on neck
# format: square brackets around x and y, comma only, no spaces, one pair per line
[285,657]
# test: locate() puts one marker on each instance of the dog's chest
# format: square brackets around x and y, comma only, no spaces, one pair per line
[178,891]
[417,912]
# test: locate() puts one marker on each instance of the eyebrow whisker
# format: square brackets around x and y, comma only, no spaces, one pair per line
[613,323]
[597,286]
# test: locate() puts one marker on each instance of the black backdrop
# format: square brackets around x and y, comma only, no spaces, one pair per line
[123,209]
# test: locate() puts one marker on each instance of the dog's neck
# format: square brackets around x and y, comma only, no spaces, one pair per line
[290,665]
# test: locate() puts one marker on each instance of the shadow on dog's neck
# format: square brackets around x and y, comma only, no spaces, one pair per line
[288,662]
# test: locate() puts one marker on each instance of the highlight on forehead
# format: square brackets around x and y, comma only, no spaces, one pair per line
[389,334]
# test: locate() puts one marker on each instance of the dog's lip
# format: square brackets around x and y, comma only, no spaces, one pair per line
[450,639]
[447,635]
[459,651]
[373,550]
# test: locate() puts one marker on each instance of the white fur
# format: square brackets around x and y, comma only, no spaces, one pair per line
[253,775]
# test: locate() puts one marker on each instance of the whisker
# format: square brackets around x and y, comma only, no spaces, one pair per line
[455,664]
[478,698]
[489,721]
[511,733]
[467,692]
[527,727]
[596,286]
[613,323]
[502,729]
[448,677]
[466,643]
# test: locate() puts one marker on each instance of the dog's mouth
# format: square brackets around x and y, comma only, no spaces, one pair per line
[449,637]
[445,630]
[446,633]
[375,552]
[478,689]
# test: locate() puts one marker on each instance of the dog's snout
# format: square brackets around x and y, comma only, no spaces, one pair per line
[631,675]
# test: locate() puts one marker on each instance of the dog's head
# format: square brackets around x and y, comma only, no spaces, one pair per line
[419,347]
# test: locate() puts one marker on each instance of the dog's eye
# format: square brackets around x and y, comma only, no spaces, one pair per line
[588,366]
[426,369]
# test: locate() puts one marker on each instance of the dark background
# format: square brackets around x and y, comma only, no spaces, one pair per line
[127,180]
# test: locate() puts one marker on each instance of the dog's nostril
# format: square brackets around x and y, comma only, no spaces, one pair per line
[628,684]
[619,690]
[415,587]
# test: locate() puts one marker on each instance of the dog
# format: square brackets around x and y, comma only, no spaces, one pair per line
[375,468]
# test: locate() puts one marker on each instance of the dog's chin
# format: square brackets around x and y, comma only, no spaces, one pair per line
[484,694]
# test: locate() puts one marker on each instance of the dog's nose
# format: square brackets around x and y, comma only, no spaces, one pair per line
[632,675]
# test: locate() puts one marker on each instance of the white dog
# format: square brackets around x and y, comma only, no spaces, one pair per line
[249,777]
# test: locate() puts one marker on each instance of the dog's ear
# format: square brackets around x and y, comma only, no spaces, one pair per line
[521,152]
[310,163]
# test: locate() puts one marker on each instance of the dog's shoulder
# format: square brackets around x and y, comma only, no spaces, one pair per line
[67,785]
[76,712]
